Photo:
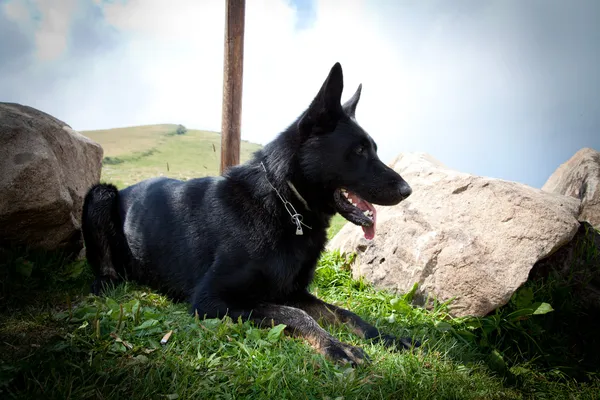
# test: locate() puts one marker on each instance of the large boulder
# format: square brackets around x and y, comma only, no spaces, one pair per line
[47,167]
[579,177]
[471,238]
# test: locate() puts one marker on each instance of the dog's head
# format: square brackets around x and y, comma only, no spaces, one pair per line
[340,156]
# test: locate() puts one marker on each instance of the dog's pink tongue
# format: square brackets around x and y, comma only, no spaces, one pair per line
[370,231]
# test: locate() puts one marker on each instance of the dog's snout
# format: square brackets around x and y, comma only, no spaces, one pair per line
[405,189]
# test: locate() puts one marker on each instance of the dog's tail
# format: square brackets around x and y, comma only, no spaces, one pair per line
[107,251]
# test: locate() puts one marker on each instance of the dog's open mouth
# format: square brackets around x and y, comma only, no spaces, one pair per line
[356,210]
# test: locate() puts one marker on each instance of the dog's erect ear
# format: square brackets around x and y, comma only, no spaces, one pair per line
[350,106]
[325,109]
[330,95]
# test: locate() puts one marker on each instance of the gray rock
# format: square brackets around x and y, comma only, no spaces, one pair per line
[579,177]
[471,238]
[47,167]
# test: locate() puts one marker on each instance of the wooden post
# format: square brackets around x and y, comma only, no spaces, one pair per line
[233,69]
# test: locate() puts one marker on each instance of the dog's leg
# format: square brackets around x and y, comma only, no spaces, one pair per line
[335,315]
[298,323]
[301,324]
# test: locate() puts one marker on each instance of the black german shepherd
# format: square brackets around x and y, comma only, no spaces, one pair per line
[247,244]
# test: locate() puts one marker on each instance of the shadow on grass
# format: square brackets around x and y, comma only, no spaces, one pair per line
[129,158]
[33,277]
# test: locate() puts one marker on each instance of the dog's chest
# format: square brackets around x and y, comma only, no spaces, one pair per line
[292,268]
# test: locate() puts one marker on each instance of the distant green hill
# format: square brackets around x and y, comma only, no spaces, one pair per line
[135,153]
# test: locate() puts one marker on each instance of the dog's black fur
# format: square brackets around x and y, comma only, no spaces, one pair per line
[229,246]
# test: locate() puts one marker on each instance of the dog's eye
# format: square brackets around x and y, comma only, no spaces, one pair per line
[360,149]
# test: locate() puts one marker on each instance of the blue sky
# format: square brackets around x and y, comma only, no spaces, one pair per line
[306,13]
[501,88]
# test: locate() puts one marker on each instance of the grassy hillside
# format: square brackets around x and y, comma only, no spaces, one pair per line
[134,139]
[141,152]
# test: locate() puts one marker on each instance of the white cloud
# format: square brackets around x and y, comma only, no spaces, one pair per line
[51,28]
[177,53]
[284,68]
[17,11]
[53,31]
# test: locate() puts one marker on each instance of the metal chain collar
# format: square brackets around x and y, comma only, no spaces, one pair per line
[289,207]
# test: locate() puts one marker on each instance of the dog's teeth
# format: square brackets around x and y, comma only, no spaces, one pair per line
[345,194]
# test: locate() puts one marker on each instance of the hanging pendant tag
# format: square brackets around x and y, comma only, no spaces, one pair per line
[296,220]
[299,228]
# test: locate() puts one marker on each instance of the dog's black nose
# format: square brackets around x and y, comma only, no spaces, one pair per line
[405,189]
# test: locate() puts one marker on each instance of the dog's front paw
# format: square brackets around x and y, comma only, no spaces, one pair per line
[401,343]
[345,353]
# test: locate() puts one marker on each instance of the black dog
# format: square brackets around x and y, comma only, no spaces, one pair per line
[247,244]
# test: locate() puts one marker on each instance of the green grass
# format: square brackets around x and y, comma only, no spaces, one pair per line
[161,153]
[59,342]
[124,141]
[337,222]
